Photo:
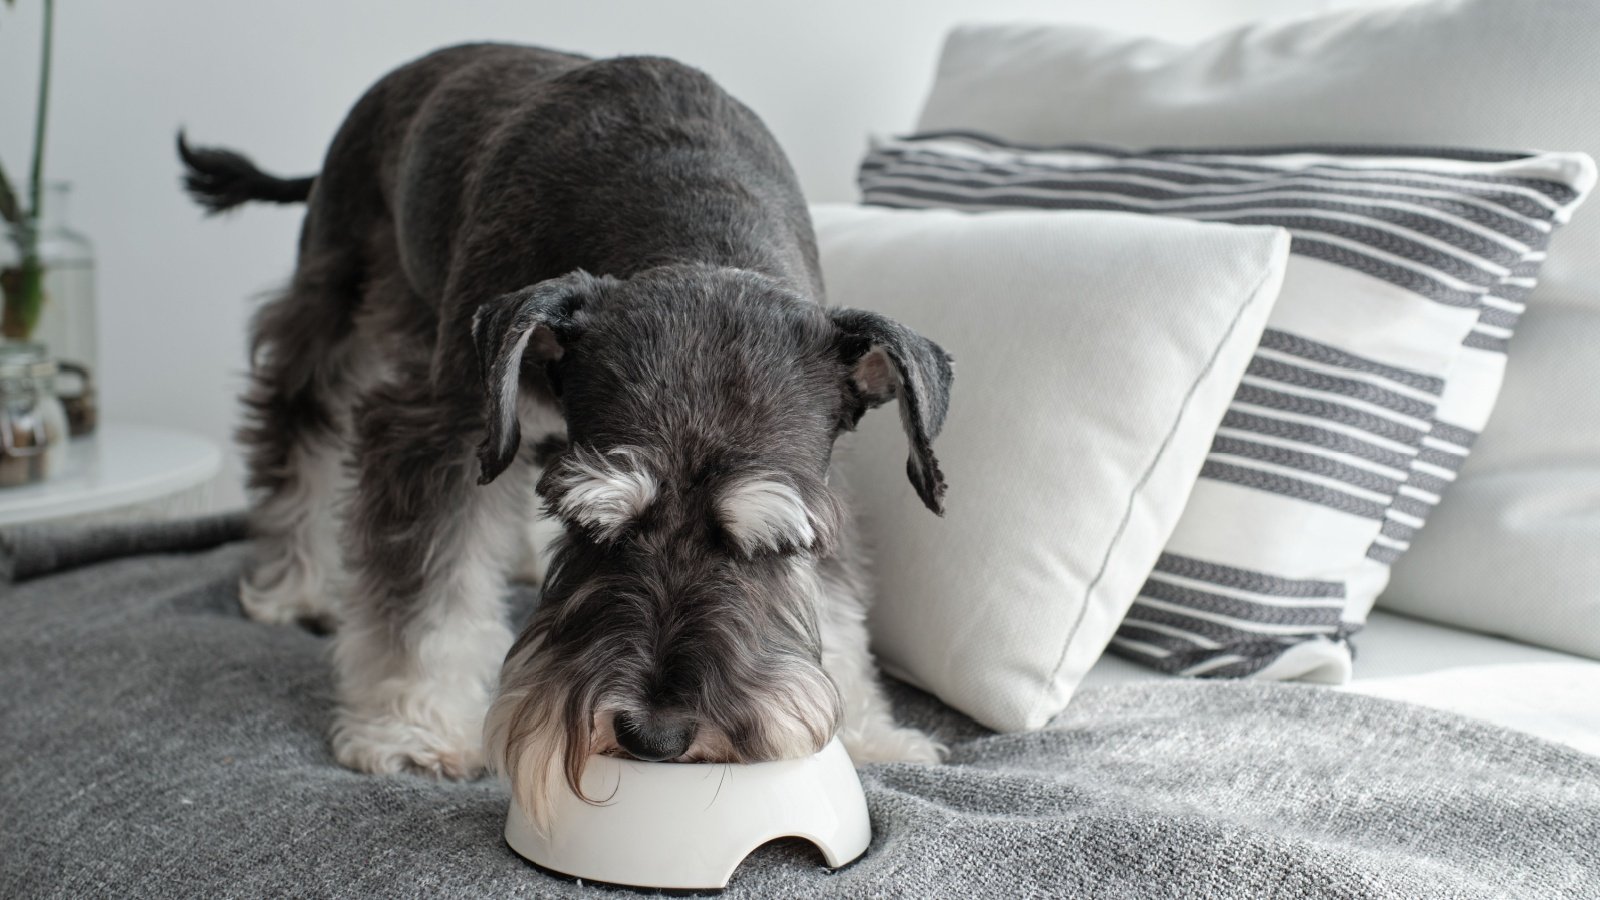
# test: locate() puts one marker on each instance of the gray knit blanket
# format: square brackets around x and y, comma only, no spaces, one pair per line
[155,743]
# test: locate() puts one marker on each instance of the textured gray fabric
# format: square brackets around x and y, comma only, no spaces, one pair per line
[153,743]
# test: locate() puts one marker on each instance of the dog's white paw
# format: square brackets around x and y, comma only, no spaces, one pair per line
[891,743]
[385,745]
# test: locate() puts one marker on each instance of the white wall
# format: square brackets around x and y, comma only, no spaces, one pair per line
[275,79]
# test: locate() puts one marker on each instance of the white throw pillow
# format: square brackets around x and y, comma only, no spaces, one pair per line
[1514,548]
[1094,355]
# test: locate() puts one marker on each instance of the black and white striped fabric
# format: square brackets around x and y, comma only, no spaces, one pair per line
[1381,362]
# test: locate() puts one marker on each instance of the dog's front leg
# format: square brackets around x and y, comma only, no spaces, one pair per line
[869,730]
[425,626]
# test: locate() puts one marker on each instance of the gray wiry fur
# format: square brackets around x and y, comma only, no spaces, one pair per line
[517,259]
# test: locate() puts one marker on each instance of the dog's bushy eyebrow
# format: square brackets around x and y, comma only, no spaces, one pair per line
[602,492]
[766,514]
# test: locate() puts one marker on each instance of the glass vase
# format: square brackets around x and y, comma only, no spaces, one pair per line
[55,306]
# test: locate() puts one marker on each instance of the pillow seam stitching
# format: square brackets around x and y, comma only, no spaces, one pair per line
[1161,452]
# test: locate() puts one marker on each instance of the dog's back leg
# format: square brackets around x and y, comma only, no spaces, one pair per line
[294,441]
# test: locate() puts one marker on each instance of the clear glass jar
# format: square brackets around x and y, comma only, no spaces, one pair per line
[33,423]
[67,322]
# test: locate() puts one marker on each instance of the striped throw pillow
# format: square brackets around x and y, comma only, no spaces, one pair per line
[1380,363]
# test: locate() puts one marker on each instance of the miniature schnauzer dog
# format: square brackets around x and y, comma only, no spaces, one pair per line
[525,273]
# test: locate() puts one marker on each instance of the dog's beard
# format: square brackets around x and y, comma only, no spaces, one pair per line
[546,722]
[537,732]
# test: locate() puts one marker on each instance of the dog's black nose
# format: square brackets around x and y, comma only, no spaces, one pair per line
[654,737]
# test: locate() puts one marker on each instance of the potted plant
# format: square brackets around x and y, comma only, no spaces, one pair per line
[46,270]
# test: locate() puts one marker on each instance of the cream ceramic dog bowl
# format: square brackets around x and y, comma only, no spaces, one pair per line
[687,826]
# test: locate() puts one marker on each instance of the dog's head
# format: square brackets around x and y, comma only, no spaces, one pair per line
[680,618]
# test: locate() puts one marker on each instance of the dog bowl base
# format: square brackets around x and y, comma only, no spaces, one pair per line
[688,826]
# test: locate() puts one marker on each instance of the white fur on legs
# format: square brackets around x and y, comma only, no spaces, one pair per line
[869,731]
[424,713]
[412,695]
[297,571]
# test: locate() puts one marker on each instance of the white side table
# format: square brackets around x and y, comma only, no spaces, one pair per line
[123,473]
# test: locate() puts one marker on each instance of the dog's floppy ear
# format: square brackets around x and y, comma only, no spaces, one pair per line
[888,361]
[536,321]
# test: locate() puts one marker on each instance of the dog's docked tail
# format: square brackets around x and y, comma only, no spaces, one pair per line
[221,179]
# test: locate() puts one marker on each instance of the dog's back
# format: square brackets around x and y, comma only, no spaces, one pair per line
[483,156]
